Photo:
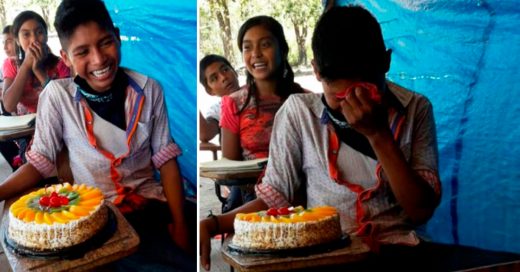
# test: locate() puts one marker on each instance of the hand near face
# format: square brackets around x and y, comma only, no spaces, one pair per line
[364,113]
[39,53]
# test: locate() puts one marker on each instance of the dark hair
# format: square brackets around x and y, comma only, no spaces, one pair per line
[20,19]
[348,44]
[7,29]
[73,13]
[207,61]
[285,85]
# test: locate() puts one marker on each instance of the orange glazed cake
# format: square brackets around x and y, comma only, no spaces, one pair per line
[57,217]
[287,228]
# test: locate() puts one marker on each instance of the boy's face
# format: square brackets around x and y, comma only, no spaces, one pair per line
[220,79]
[8,42]
[94,53]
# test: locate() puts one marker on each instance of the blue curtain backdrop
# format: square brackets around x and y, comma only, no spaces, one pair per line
[464,56]
[159,39]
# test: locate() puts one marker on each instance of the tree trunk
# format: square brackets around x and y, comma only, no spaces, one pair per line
[221,12]
[3,16]
[45,15]
[301,33]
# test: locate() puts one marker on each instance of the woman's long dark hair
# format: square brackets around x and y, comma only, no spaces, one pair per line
[284,74]
[20,19]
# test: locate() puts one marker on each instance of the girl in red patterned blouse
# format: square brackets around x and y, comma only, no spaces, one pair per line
[248,114]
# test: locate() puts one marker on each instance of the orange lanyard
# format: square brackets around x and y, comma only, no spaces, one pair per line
[362,194]
[130,130]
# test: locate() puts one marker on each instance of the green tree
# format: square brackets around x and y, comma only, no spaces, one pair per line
[302,17]
[3,13]
[47,10]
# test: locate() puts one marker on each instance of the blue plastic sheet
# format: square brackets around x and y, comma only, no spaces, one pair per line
[464,56]
[159,39]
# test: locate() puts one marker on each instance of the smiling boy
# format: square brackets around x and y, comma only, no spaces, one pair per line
[113,122]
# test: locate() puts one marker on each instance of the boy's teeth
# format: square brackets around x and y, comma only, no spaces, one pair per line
[99,73]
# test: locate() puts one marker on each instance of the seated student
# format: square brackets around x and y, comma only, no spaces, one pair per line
[9,50]
[34,65]
[248,114]
[32,68]
[376,161]
[8,148]
[219,78]
[114,123]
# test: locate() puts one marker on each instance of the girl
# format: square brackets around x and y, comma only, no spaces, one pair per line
[248,114]
[34,65]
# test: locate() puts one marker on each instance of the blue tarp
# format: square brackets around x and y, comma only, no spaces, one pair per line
[159,39]
[464,56]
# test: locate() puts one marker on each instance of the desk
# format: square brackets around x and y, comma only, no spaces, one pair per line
[207,146]
[356,251]
[425,257]
[6,135]
[226,178]
[123,243]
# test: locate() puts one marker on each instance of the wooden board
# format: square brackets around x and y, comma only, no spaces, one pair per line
[356,251]
[123,243]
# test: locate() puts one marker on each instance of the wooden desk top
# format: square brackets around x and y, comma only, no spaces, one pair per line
[123,243]
[356,251]
[209,146]
[220,177]
[6,135]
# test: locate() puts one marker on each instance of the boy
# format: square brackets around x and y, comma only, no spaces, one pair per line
[218,78]
[353,153]
[114,124]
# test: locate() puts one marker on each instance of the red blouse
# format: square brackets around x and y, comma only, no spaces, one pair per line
[254,128]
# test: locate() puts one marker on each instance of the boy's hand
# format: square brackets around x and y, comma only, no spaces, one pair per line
[363,112]
[180,236]
[205,244]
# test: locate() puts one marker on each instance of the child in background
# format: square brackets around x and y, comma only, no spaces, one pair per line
[375,161]
[8,148]
[218,78]
[9,46]
[33,67]
[114,123]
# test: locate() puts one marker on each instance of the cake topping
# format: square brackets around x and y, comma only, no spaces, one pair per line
[58,203]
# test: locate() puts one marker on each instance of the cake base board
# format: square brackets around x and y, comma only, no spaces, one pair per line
[355,251]
[68,253]
[302,251]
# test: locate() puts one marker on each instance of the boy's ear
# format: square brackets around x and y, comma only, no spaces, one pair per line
[315,69]
[387,60]
[116,31]
[65,58]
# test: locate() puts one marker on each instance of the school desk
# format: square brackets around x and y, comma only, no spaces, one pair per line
[356,257]
[231,178]
[6,135]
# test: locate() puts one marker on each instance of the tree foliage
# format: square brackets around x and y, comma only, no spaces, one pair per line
[10,8]
[218,36]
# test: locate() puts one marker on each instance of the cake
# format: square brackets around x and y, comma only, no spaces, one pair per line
[57,217]
[286,228]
